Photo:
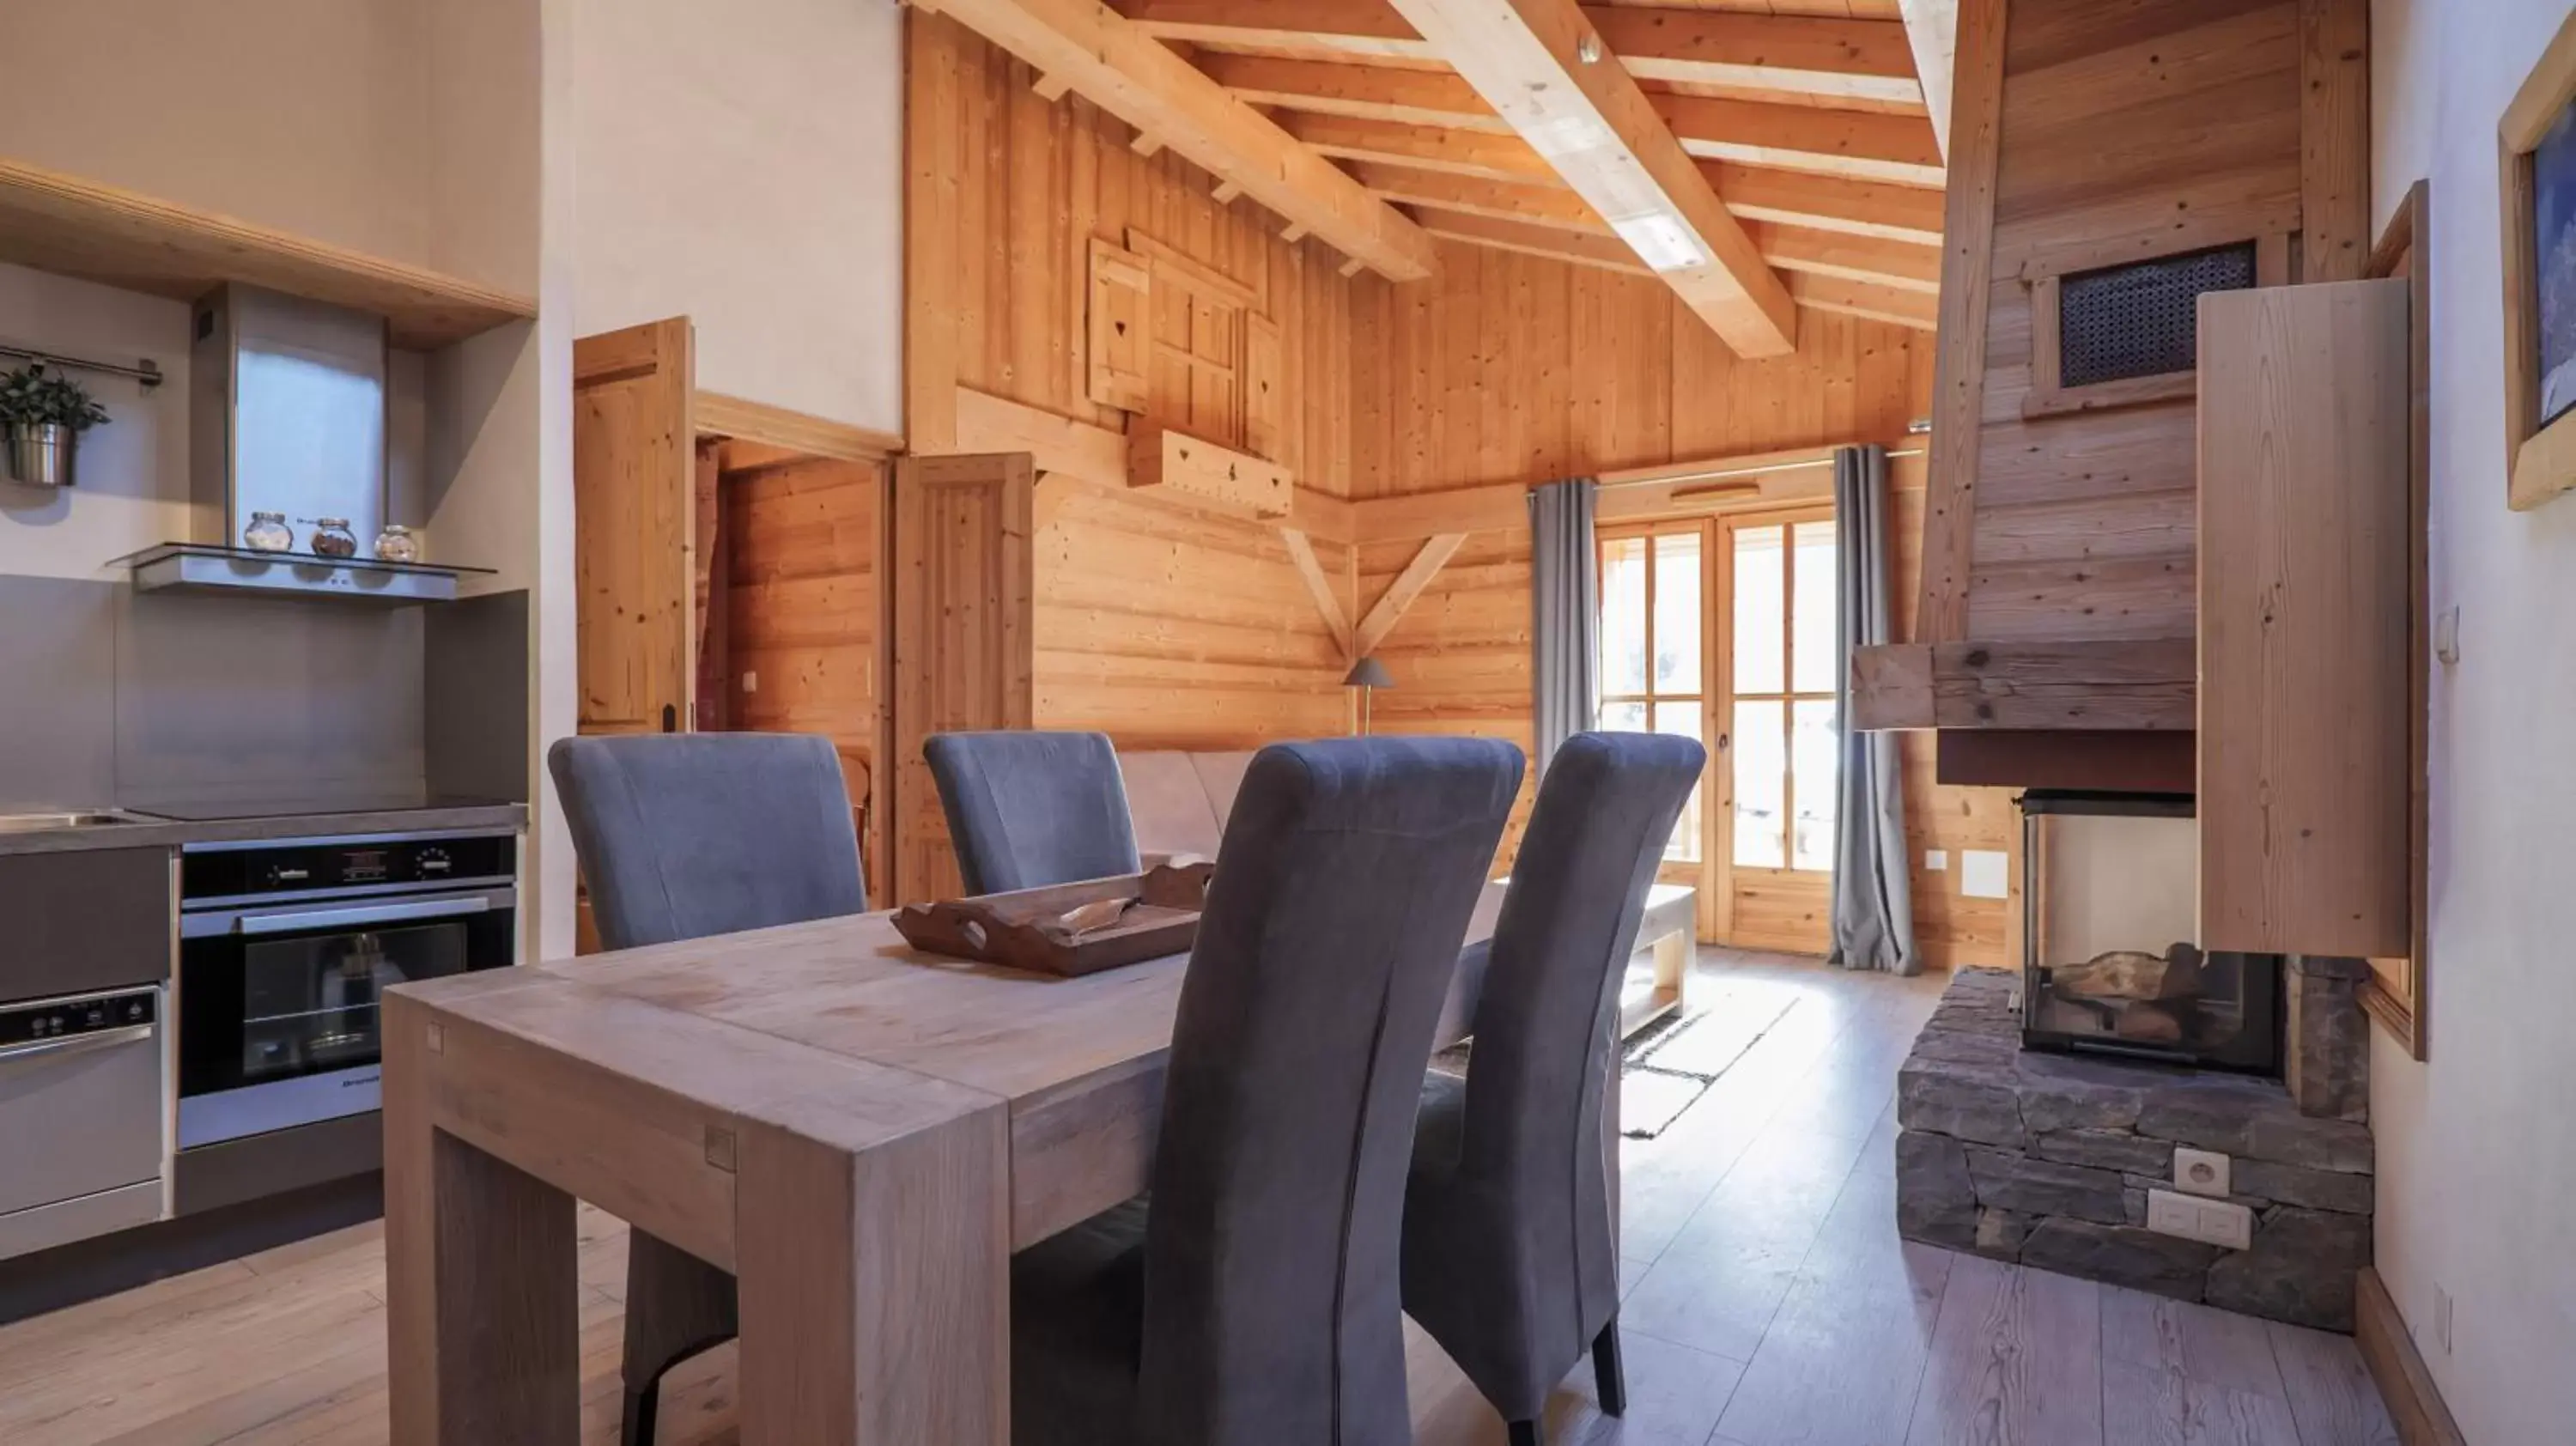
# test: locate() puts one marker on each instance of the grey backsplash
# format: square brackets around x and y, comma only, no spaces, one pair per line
[107,695]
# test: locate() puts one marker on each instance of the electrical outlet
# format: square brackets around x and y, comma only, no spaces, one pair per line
[2442,1319]
[2212,1222]
[2199,1172]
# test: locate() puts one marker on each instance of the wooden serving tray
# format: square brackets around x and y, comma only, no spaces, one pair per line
[1068,929]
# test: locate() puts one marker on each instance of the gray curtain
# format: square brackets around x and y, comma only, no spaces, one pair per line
[1873,900]
[1565,606]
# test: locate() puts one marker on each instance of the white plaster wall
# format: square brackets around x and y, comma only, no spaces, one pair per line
[309,115]
[2477,1146]
[743,165]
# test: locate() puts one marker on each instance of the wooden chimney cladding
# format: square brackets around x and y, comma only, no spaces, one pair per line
[2304,611]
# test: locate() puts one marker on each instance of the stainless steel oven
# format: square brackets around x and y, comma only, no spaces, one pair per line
[285,948]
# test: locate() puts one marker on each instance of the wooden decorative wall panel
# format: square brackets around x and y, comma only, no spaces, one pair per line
[1009,190]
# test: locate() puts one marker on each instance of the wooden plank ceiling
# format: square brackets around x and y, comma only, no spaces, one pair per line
[1803,120]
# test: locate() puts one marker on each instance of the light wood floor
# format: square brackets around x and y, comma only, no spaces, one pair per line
[1768,1303]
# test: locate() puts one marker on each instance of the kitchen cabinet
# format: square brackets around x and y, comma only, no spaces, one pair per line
[84,920]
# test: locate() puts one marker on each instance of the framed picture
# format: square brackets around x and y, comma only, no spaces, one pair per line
[2537,143]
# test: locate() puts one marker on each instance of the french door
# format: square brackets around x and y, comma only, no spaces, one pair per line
[1723,629]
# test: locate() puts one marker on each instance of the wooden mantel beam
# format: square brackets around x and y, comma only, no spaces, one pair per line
[1599,130]
[1135,77]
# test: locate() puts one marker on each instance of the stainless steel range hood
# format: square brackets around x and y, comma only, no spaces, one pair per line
[286,414]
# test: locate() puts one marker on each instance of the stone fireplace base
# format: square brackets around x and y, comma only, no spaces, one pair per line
[2046,1159]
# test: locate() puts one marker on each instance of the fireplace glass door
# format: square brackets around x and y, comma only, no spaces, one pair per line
[2111,894]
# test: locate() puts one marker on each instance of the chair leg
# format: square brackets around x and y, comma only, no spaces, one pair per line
[1607,1374]
[1525,1433]
[676,1307]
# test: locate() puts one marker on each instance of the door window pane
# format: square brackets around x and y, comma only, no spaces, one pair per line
[1761,593]
[1677,615]
[1814,760]
[1761,785]
[1681,718]
[1815,659]
[1623,717]
[1623,615]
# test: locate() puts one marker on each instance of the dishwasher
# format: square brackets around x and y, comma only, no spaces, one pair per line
[81,1117]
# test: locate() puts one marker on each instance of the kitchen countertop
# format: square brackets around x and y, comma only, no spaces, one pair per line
[158,833]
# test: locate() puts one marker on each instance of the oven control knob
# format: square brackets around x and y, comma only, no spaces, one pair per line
[434,861]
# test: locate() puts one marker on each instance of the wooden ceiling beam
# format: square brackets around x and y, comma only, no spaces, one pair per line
[1371,92]
[1882,266]
[1807,54]
[1932,27]
[1900,265]
[1864,145]
[1416,163]
[1866,60]
[1857,144]
[1550,205]
[1138,79]
[1433,148]
[1828,203]
[1605,251]
[1599,131]
[1863,299]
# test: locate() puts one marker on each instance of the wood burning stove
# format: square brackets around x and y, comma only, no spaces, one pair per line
[2110,924]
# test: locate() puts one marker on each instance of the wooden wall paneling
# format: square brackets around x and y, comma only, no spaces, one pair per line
[2334,138]
[634,524]
[1264,395]
[2303,620]
[1976,139]
[963,597]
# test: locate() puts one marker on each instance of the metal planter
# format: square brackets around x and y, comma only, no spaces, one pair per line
[40,455]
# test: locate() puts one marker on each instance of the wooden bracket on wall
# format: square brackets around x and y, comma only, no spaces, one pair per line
[1400,594]
[1190,469]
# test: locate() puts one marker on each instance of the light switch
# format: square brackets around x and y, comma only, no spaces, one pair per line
[750,681]
[2446,635]
[1936,861]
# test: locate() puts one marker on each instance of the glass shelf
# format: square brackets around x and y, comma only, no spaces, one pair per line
[203,567]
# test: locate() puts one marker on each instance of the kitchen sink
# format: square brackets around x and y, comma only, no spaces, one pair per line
[51,819]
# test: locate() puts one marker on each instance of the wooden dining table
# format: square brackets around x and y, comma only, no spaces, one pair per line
[860,1132]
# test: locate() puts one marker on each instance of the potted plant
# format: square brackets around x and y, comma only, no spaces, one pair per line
[45,414]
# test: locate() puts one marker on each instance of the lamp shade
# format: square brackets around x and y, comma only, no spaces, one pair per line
[1368,673]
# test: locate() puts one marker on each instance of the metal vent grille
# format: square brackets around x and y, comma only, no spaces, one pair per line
[2141,320]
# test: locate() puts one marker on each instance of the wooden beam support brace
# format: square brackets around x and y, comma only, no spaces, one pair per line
[1400,594]
[1302,552]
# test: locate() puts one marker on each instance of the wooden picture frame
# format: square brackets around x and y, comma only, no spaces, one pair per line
[2045,274]
[2542,456]
[2394,993]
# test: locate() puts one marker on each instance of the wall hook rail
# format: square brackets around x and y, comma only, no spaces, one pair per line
[145,371]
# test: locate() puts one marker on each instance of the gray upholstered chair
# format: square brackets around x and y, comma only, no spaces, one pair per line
[682,836]
[1252,1298]
[1508,1256]
[1031,809]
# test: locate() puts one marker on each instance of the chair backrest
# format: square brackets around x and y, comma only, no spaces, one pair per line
[1545,1021]
[1031,809]
[684,835]
[1272,1300]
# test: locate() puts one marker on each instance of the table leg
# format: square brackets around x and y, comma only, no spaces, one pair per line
[481,1295]
[875,1287]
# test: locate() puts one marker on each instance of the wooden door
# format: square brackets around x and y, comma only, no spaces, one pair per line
[634,527]
[1775,599]
[964,580]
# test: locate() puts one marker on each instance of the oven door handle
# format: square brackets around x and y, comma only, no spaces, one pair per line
[79,1043]
[363,914]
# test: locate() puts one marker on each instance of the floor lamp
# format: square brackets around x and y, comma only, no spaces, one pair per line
[1367,675]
